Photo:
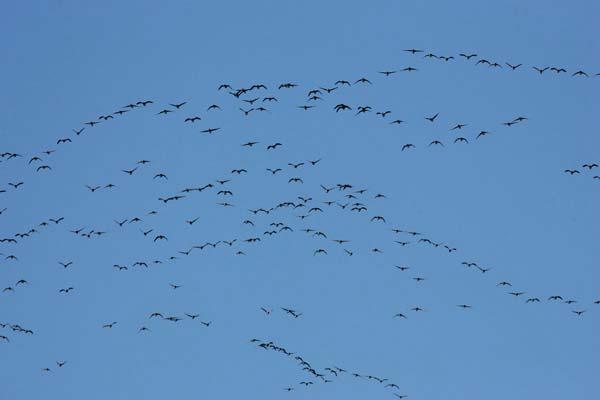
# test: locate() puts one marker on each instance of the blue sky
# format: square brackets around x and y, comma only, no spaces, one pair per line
[503,200]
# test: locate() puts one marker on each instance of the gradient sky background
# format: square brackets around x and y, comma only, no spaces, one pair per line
[503,201]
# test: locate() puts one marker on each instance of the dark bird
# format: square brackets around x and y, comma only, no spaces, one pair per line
[580,73]
[266,311]
[458,126]
[363,80]
[558,70]
[431,119]
[273,146]
[130,171]
[93,188]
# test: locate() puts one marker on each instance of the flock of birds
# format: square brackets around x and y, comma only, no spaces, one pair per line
[267,221]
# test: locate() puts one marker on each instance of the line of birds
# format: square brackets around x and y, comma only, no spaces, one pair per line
[352,201]
[328,374]
[478,60]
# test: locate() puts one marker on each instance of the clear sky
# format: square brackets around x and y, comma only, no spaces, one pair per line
[503,200]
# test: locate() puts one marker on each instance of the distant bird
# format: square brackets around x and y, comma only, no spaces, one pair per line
[266,311]
[129,171]
[458,126]
[432,118]
[580,73]
[273,146]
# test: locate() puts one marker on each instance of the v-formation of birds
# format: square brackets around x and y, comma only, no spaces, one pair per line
[291,217]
